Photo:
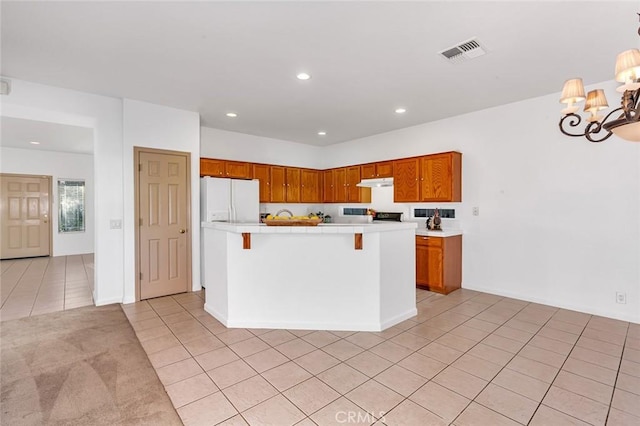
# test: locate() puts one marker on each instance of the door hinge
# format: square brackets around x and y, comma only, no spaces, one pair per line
[140,222]
[140,276]
[139,167]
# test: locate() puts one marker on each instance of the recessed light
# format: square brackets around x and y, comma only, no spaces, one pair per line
[232,114]
[303,76]
[34,143]
[400,110]
[322,133]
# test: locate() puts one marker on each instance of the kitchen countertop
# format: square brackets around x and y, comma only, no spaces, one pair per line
[323,228]
[443,234]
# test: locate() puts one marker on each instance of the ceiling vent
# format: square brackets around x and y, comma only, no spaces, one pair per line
[464,51]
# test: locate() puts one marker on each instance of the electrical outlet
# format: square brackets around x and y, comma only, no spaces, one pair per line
[476,211]
[115,224]
[621,297]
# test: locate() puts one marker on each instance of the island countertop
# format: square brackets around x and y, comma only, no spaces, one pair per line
[323,228]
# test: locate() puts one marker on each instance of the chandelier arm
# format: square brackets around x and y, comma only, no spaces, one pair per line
[574,120]
[592,129]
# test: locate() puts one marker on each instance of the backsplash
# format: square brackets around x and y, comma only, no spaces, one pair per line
[381,200]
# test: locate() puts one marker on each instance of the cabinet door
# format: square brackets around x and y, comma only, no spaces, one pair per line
[434,269]
[211,167]
[384,169]
[353,178]
[441,177]
[406,186]
[340,187]
[429,263]
[278,188]
[328,195]
[356,194]
[261,172]
[237,170]
[422,261]
[293,185]
[368,171]
[310,188]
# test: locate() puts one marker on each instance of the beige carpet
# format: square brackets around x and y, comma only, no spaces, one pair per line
[79,367]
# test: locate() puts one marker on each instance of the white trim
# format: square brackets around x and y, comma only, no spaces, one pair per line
[550,302]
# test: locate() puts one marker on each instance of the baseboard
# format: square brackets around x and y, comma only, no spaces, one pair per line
[102,302]
[554,303]
[399,318]
[309,325]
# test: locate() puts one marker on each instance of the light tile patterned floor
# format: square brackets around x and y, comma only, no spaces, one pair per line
[468,358]
[42,285]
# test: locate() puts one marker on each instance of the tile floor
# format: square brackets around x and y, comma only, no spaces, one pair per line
[42,285]
[468,358]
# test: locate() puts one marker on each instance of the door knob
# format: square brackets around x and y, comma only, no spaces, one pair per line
[182,231]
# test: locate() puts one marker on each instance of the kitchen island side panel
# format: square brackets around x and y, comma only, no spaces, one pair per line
[397,277]
[304,281]
[291,278]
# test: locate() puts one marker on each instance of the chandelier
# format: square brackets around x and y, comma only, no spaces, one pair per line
[623,121]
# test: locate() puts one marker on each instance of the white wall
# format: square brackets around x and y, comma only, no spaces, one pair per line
[559,217]
[226,145]
[103,114]
[153,126]
[146,125]
[58,165]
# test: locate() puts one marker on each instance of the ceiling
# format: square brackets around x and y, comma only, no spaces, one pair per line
[366,58]
[19,133]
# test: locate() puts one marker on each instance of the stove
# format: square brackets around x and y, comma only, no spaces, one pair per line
[387,217]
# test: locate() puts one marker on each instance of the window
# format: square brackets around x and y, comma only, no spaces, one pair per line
[71,206]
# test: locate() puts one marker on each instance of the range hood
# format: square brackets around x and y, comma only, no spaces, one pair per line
[376,183]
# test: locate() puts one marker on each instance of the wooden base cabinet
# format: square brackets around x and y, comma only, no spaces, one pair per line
[439,263]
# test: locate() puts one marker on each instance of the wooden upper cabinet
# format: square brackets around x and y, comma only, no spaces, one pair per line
[311,188]
[211,167]
[293,180]
[384,169]
[340,192]
[225,168]
[328,195]
[278,184]
[238,170]
[262,173]
[376,170]
[356,194]
[441,177]
[368,171]
[406,180]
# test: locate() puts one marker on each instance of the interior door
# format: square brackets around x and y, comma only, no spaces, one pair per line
[24,216]
[164,237]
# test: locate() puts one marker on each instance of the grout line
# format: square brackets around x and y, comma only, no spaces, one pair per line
[345,338]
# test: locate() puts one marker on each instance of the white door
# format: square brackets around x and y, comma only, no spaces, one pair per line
[24,216]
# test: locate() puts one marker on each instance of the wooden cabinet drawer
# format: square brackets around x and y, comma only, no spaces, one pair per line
[423,240]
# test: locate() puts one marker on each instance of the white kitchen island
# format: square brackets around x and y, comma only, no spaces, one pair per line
[326,277]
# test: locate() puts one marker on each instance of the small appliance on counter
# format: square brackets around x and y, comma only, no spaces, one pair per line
[387,217]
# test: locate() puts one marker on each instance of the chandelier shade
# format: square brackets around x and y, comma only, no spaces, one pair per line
[623,121]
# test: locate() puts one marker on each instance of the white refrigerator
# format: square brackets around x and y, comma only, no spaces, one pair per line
[229,200]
